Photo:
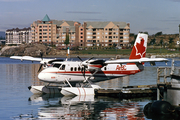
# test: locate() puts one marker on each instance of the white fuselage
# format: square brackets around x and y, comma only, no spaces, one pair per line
[73,72]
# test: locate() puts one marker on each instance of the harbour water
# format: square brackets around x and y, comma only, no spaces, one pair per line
[17,102]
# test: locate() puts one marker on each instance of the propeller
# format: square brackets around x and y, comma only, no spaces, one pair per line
[41,54]
[40,68]
[84,65]
[79,58]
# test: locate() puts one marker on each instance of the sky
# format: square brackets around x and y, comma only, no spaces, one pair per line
[150,16]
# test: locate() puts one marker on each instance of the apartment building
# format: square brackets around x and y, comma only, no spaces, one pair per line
[18,36]
[104,34]
[53,31]
[88,34]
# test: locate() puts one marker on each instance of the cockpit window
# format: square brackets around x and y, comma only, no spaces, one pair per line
[63,67]
[56,65]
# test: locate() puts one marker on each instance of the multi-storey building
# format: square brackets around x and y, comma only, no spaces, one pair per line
[86,35]
[53,31]
[89,34]
[104,34]
[18,36]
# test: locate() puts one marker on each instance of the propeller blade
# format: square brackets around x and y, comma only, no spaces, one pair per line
[40,68]
[84,72]
[90,58]
[79,58]
[41,54]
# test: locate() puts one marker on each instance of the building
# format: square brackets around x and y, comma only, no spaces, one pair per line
[105,34]
[89,34]
[18,36]
[53,31]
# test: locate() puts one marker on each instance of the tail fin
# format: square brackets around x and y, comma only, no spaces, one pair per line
[140,45]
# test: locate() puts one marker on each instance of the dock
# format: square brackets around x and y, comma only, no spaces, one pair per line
[157,90]
[130,91]
[167,85]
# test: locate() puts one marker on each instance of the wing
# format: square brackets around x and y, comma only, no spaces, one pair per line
[141,60]
[30,58]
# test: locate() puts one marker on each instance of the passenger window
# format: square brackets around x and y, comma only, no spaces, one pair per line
[71,68]
[79,68]
[104,68]
[75,69]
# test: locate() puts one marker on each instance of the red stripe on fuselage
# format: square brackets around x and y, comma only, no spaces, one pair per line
[97,66]
[128,72]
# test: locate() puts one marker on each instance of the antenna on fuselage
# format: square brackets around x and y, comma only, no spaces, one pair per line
[67,53]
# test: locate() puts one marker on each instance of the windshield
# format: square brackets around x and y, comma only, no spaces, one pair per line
[56,65]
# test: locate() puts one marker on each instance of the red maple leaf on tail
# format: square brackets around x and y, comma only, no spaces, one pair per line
[140,48]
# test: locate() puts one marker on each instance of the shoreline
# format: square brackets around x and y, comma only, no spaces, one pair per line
[108,55]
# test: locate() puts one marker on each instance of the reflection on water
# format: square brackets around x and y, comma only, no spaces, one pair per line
[87,107]
[16,103]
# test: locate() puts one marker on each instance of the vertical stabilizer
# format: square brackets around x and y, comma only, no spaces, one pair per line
[140,45]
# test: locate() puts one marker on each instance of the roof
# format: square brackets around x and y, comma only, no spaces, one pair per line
[71,28]
[17,29]
[104,24]
[46,18]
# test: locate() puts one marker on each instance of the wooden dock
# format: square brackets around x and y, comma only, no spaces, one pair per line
[130,91]
[142,90]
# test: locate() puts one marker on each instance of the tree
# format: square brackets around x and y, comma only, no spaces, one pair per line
[170,40]
[67,40]
[152,42]
[158,34]
[161,42]
[171,43]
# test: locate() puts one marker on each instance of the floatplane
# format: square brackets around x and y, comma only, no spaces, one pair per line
[68,73]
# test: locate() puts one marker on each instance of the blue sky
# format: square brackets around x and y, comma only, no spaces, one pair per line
[143,15]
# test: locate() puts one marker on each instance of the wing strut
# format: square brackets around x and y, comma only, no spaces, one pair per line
[87,79]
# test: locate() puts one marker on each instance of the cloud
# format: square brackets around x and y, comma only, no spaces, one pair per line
[4,27]
[171,19]
[175,0]
[80,12]
[13,0]
[92,19]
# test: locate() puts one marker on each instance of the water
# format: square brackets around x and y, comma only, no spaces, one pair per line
[17,102]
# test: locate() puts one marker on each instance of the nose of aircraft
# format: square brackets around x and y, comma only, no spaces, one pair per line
[41,76]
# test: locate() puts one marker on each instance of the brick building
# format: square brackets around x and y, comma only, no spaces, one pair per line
[88,34]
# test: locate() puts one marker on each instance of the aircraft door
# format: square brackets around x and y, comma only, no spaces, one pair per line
[61,75]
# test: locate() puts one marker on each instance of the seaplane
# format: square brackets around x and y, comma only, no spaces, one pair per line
[68,73]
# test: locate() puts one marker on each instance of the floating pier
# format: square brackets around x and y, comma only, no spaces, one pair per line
[129,92]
